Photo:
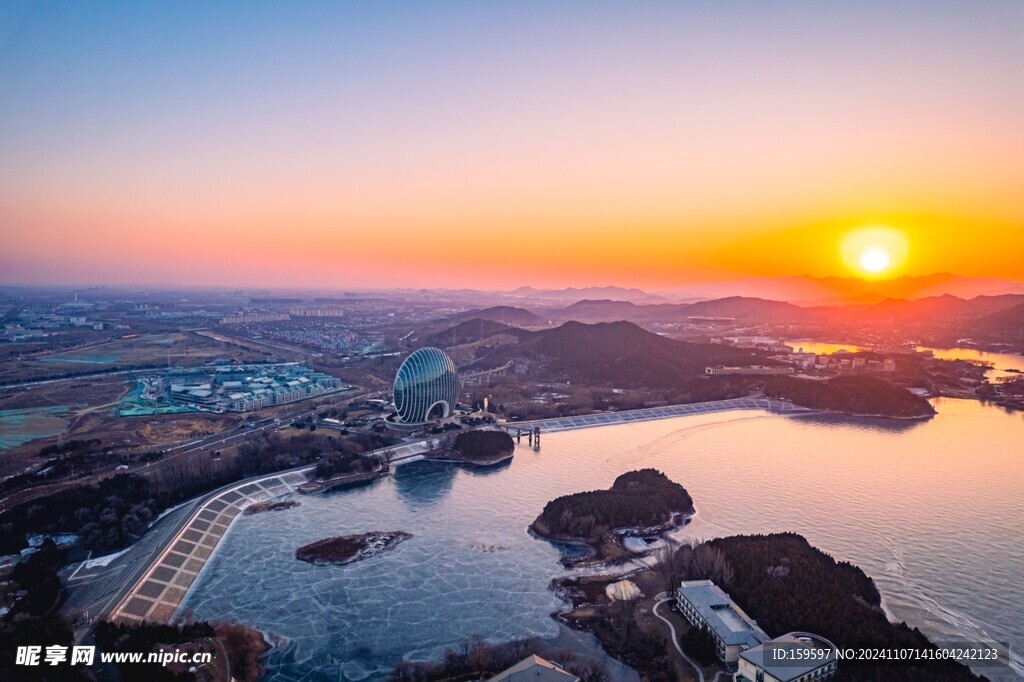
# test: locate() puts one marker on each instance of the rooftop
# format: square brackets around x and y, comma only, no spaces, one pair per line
[793,665]
[726,619]
[534,668]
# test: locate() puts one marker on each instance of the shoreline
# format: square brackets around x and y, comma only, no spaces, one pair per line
[452,458]
[859,415]
[597,554]
[335,482]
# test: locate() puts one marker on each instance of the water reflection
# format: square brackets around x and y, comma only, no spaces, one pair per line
[479,470]
[838,421]
[424,483]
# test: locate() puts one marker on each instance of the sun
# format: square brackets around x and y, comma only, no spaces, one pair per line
[874,252]
[875,260]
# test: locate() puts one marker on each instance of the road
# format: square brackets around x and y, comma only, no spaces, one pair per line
[77,377]
[675,638]
[585,421]
[222,440]
[98,591]
[217,441]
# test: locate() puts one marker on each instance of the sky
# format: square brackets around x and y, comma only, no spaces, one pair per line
[496,144]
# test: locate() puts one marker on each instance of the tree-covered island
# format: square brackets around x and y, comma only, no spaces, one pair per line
[860,396]
[643,502]
[482,447]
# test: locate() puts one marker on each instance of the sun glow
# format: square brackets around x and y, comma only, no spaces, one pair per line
[875,260]
[875,251]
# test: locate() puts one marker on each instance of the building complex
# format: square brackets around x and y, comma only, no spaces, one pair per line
[793,657]
[705,605]
[237,388]
[744,647]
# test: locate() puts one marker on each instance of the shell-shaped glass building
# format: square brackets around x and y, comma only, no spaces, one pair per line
[426,386]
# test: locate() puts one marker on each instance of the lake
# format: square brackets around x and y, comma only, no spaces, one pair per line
[932,511]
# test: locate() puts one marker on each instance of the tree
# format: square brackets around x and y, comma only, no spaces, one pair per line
[700,644]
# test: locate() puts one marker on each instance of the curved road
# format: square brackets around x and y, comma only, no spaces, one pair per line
[675,639]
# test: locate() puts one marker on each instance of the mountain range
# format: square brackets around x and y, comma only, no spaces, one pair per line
[946,308]
[802,290]
[819,291]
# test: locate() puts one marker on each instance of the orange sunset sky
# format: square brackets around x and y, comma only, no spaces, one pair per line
[492,145]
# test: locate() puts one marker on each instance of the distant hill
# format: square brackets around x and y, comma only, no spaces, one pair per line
[470,331]
[621,354]
[747,309]
[574,294]
[827,291]
[604,310]
[1006,325]
[950,309]
[759,310]
[505,314]
[738,307]
[939,307]
[858,395]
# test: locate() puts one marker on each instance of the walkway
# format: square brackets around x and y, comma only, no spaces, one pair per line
[675,638]
[156,596]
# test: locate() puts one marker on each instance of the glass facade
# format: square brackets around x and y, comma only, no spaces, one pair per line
[426,386]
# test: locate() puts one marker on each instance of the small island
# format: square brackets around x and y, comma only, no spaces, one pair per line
[347,549]
[484,447]
[859,396]
[261,507]
[639,503]
[343,470]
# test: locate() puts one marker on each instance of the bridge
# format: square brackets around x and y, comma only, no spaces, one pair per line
[478,377]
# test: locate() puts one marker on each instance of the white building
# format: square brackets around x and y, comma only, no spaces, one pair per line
[793,657]
[704,604]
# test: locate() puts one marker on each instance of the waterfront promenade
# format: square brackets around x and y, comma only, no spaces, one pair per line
[156,595]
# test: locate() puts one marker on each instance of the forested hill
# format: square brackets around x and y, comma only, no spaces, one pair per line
[857,395]
[636,499]
[787,585]
[470,331]
[504,314]
[620,354]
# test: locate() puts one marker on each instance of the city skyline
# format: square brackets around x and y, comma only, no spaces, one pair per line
[490,146]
